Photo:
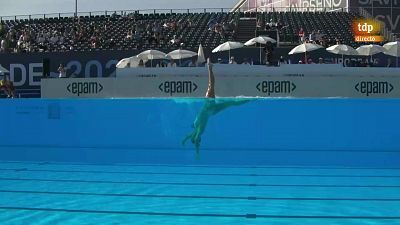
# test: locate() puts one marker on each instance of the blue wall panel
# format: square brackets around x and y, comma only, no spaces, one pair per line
[323,132]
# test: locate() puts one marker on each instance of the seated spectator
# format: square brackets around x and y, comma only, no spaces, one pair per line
[61,40]
[301,35]
[246,61]
[94,41]
[312,37]
[190,23]
[268,26]
[129,36]
[319,36]
[3,45]
[175,41]
[272,24]
[137,36]
[320,61]
[156,28]
[226,27]
[232,60]
[54,39]
[171,63]
[211,23]
[260,23]
[40,38]
[282,61]
[193,63]
[141,64]
[2,29]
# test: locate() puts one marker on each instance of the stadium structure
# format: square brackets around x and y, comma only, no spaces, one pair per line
[34,46]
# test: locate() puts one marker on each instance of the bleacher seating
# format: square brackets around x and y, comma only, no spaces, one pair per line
[113,29]
[332,24]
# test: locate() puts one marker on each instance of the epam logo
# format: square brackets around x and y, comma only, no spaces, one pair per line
[276,87]
[177,87]
[374,87]
[78,88]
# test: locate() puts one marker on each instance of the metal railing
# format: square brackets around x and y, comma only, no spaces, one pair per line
[293,9]
[116,12]
[239,8]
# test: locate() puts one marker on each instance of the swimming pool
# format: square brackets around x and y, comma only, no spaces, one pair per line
[268,161]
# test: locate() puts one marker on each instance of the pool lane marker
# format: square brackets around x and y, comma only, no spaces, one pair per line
[198,166]
[247,216]
[200,184]
[198,174]
[251,198]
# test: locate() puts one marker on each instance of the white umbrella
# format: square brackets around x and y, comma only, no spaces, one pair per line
[3,70]
[180,54]
[342,50]
[151,55]
[370,50]
[260,40]
[129,62]
[393,49]
[123,63]
[228,46]
[201,58]
[304,48]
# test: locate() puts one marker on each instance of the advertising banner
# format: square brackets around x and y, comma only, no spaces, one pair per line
[295,5]
[195,85]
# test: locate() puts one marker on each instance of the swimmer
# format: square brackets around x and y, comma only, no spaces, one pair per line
[210,108]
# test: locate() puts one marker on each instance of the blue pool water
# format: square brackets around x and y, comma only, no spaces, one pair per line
[269,161]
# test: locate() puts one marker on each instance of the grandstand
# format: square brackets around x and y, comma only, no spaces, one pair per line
[95,41]
[136,30]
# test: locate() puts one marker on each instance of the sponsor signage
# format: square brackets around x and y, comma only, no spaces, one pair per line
[370,88]
[86,88]
[178,87]
[275,82]
[276,87]
[296,5]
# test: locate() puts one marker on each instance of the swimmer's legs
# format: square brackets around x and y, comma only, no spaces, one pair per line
[218,107]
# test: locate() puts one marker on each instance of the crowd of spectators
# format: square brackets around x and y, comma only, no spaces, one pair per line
[223,28]
[162,33]
[317,37]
